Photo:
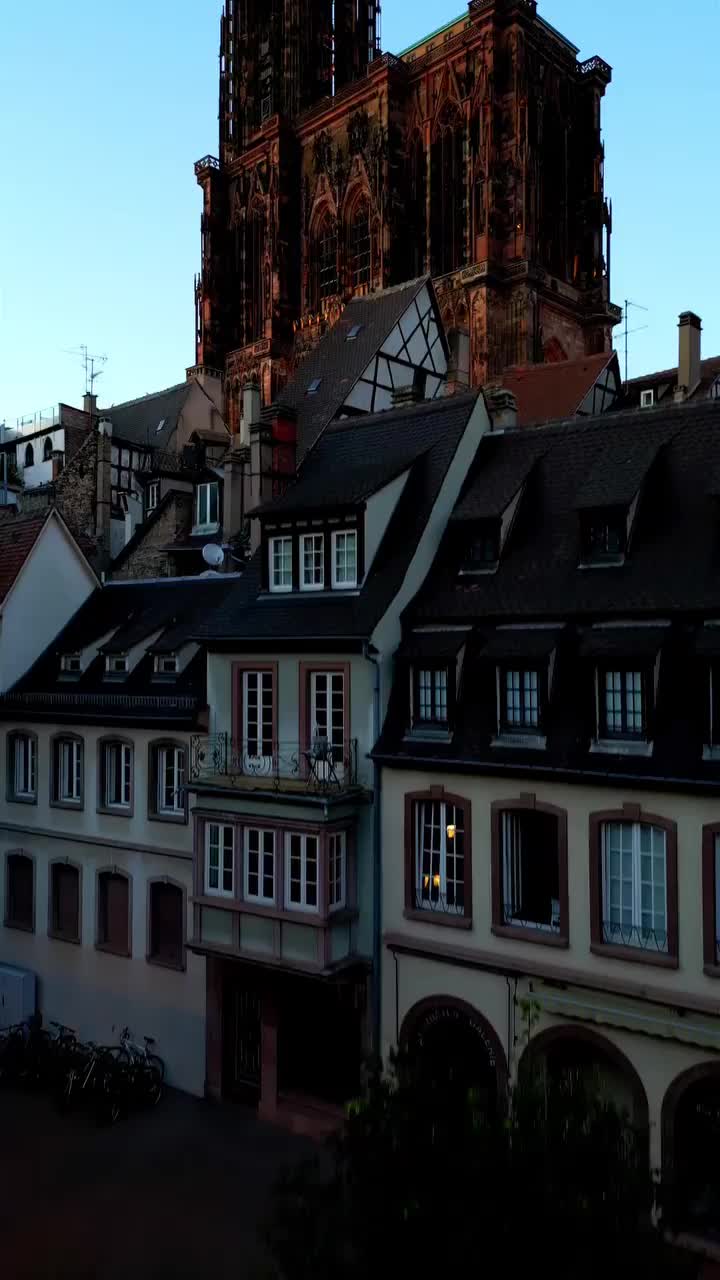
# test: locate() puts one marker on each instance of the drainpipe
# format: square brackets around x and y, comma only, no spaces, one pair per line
[377,863]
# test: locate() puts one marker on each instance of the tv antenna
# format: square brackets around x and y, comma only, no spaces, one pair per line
[89,363]
[627,333]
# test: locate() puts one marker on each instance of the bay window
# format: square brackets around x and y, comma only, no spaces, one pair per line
[260,865]
[337,870]
[301,872]
[219,860]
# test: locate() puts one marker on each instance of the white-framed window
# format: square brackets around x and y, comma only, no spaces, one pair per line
[522,704]
[71,664]
[647,398]
[116,664]
[634,865]
[207,505]
[280,554]
[302,860]
[117,775]
[68,770]
[166,664]
[623,704]
[219,860]
[432,695]
[153,493]
[439,857]
[530,870]
[257,718]
[170,781]
[260,865]
[327,719]
[337,870]
[24,766]
[312,562]
[344,558]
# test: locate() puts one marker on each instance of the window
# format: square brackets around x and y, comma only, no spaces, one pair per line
[521,702]
[67,771]
[19,891]
[65,902]
[327,260]
[360,246]
[634,885]
[167,774]
[219,860]
[448,206]
[301,871]
[29,456]
[116,664]
[260,865]
[22,767]
[113,919]
[47,450]
[714,393]
[258,719]
[327,717]
[484,550]
[344,559]
[207,506]
[314,387]
[167,924]
[604,536]
[312,562]
[623,714]
[431,696]
[353,332]
[116,775]
[166,664]
[153,490]
[71,664]
[439,858]
[337,870]
[281,557]
[647,399]
[529,870]
[711,899]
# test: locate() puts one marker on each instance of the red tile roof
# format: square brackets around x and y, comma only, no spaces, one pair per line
[550,392]
[18,535]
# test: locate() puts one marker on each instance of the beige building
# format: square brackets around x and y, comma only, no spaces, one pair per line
[551,781]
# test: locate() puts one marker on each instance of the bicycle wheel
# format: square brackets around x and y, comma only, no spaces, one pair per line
[157,1064]
[110,1098]
[153,1085]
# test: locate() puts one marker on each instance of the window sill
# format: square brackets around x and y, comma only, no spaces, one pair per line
[621,747]
[13,799]
[112,951]
[633,955]
[521,741]
[76,805]
[612,562]
[115,812]
[428,734]
[540,937]
[204,528]
[18,924]
[177,966]
[64,937]
[444,919]
[711,753]
[174,819]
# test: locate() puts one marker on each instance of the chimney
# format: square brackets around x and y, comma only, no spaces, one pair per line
[58,462]
[103,492]
[90,403]
[236,478]
[251,410]
[273,458]
[406,397]
[690,327]
[502,407]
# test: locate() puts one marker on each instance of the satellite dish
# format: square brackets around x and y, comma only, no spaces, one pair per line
[213,555]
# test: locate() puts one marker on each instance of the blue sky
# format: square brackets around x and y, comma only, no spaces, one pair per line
[105,107]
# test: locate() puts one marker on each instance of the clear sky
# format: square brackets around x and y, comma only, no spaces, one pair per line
[105,107]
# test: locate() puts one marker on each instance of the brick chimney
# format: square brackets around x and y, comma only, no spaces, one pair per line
[273,458]
[103,492]
[502,407]
[690,330]
[90,404]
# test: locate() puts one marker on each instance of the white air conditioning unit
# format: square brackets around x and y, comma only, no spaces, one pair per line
[18,995]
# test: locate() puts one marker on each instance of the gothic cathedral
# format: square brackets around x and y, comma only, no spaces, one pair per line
[475,156]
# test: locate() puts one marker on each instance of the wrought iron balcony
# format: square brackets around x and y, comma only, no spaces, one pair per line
[318,767]
[207,162]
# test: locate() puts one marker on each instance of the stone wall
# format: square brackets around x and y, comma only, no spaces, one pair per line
[146,558]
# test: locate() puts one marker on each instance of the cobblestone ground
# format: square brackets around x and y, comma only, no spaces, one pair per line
[177,1192]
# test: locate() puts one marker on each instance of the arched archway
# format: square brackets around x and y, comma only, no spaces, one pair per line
[453,1045]
[580,1049]
[448,192]
[690,1144]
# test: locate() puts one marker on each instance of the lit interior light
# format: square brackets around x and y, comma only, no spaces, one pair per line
[426,882]
[451,831]
[436,882]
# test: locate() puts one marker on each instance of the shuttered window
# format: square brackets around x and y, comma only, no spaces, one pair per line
[20,892]
[167,932]
[65,902]
[114,912]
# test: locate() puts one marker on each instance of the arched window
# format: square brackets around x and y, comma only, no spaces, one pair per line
[360,245]
[29,456]
[326,259]
[48,450]
[417,208]
[254,274]
[449,196]
[113,912]
[19,891]
[167,924]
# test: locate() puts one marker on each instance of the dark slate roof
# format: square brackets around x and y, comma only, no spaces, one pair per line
[137,421]
[491,488]
[421,439]
[664,382]
[339,363]
[136,610]
[674,557]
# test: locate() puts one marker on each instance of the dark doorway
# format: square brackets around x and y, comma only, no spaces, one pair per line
[450,1050]
[241,1040]
[320,1040]
[697,1142]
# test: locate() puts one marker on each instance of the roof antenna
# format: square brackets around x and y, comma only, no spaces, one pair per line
[88,363]
[628,332]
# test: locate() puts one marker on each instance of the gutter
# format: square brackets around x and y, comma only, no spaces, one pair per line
[377,941]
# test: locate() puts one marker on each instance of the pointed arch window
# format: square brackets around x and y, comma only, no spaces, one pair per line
[254,274]
[417,207]
[360,245]
[326,258]
[29,456]
[449,194]
[48,450]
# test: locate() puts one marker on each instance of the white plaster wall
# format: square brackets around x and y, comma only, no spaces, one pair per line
[40,472]
[89,990]
[50,588]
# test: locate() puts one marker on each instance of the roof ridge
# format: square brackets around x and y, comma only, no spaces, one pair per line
[406,412]
[150,395]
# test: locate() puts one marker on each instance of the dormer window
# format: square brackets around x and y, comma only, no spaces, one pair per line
[430,696]
[344,559]
[353,332]
[207,507]
[647,398]
[166,664]
[281,558]
[520,707]
[623,703]
[312,562]
[116,664]
[484,550]
[71,664]
[314,387]
[604,536]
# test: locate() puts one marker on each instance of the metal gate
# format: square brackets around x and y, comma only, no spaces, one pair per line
[242,1042]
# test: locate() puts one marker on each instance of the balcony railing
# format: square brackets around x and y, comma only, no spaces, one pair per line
[319,767]
[634,936]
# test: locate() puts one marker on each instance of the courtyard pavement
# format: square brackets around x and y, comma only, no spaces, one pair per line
[178,1192]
